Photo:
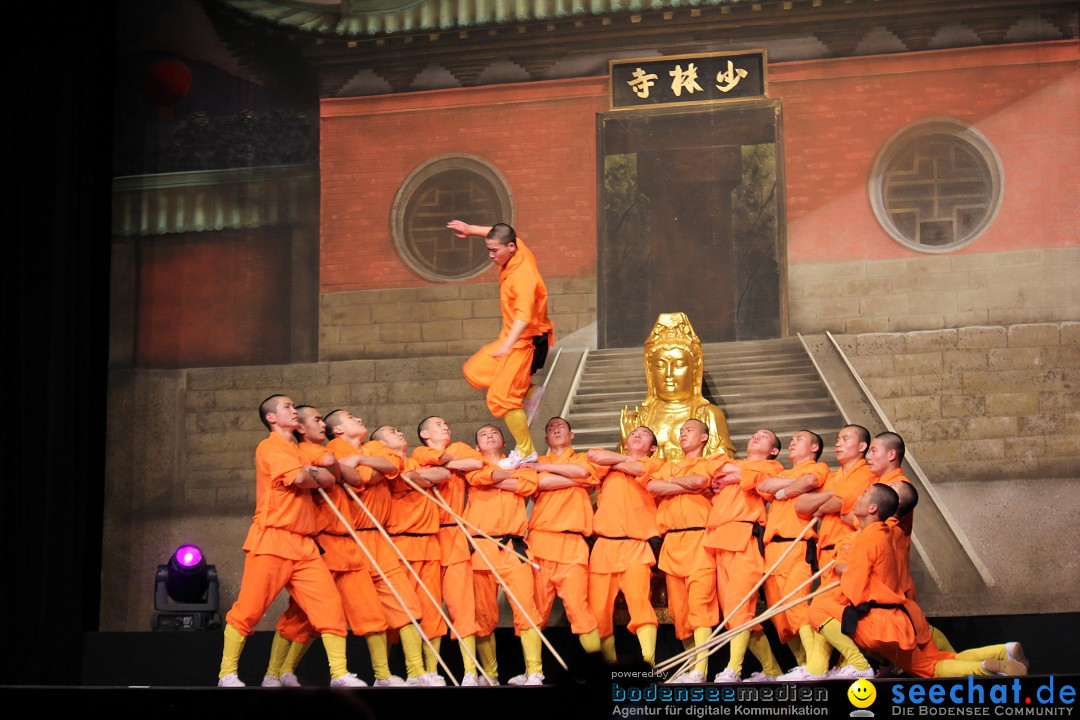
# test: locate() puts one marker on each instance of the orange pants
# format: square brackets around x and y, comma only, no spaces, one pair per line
[518,578]
[736,574]
[358,597]
[506,379]
[635,585]
[308,581]
[460,596]
[692,601]
[571,582]
[791,573]
[430,572]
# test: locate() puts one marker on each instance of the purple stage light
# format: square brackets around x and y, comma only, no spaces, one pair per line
[188,555]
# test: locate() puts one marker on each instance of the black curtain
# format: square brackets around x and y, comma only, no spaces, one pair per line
[58,147]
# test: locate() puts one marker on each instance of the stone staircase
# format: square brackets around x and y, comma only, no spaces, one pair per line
[761,383]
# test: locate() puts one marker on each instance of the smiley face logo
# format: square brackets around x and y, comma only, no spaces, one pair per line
[862,693]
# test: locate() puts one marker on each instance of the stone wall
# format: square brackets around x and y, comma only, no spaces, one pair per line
[932,292]
[977,403]
[436,319]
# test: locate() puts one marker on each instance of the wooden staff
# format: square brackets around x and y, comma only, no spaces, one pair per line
[506,586]
[405,562]
[715,643]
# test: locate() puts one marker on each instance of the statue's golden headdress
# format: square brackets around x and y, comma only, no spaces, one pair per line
[673,330]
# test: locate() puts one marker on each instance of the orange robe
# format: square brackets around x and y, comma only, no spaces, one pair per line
[903,538]
[500,514]
[279,550]
[735,512]
[561,520]
[690,573]
[621,558]
[455,559]
[377,498]
[848,486]
[522,296]
[782,525]
[414,527]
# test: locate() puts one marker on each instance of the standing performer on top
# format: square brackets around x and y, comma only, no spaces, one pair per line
[504,367]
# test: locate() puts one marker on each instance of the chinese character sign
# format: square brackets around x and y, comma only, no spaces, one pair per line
[649,82]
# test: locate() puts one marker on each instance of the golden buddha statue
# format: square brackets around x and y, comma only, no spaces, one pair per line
[674,367]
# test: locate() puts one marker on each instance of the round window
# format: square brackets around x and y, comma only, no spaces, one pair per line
[936,186]
[442,189]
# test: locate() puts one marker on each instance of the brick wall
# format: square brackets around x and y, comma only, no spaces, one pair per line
[998,402]
[436,320]
[540,137]
[838,114]
[935,291]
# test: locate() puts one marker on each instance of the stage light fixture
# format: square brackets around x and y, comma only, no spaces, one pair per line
[186,592]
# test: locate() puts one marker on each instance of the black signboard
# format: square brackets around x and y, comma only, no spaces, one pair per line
[688,79]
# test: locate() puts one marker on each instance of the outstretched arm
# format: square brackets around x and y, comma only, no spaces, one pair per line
[464,229]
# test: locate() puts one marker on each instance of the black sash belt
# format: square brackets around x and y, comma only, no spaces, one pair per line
[409,534]
[811,549]
[540,353]
[689,529]
[758,531]
[516,541]
[854,613]
[442,525]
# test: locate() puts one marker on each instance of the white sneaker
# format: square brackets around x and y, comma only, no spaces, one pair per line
[799,674]
[530,458]
[511,461]
[271,680]
[518,679]
[534,679]
[230,680]
[469,680]
[288,679]
[727,676]
[849,672]
[760,677]
[349,680]
[434,680]
[392,681]
[693,677]
[492,681]
[1015,652]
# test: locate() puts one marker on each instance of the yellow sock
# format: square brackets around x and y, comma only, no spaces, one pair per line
[607,648]
[762,650]
[795,644]
[847,647]
[532,648]
[990,652]
[431,656]
[518,424]
[485,653]
[379,654]
[959,668]
[412,647]
[296,653]
[230,654]
[590,641]
[700,636]
[334,645]
[467,645]
[940,641]
[737,648]
[646,635]
[279,648]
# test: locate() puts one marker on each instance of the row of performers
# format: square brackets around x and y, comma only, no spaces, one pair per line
[367,535]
